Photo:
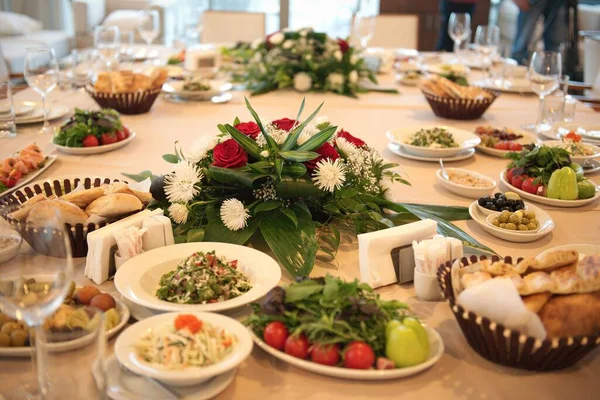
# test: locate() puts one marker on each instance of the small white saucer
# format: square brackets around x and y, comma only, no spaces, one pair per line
[126,386]
[396,149]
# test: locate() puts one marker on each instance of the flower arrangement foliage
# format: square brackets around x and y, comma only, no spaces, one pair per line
[294,183]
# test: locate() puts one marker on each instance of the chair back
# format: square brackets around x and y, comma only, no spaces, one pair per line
[232,26]
[396,31]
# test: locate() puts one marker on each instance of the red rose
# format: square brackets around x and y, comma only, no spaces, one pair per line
[229,154]
[284,123]
[326,151]
[354,140]
[344,46]
[250,129]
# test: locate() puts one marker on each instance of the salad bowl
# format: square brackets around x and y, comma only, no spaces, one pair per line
[84,151]
[465,140]
[592,150]
[138,279]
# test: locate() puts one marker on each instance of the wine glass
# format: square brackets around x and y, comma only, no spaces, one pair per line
[545,70]
[459,28]
[364,24]
[487,39]
[107,42]
[148,26]
[33,285]
[41,74]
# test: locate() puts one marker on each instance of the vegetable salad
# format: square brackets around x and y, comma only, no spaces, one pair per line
[436,138]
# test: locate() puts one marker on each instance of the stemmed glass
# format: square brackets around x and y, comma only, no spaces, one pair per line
[41,74]
[459,28]
[364,24]
[148,26]
[107,42]
[487,39]
[33,285]
[545,70]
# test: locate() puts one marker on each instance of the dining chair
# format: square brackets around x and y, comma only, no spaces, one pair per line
[232,26]
[397,31]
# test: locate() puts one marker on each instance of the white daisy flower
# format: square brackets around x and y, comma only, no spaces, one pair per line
[180,184]
[200,148]
[338,55]
[329,175]
[234,215]
[345,147]
[302,82]
[307,133]
[353,59]
[277,38]
[336,81]
[179,213]
[353,76]
[288,44]
[256,43]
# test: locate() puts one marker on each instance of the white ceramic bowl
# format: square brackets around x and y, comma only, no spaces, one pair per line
[465,139]
[138,278]
[463,190]
[487,212]
[190,376]
[11,251]
[496,214]
[578,159]
[216,87]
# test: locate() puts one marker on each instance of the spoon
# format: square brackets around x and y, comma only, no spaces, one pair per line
[170,394]
[444,173]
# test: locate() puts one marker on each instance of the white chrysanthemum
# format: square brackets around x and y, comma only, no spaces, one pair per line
[329,175]
[338,55]
[353,76]
[223,137]
[256,43]
[234,215]
[200,148]
[180,184]
[345,147]
[308,131]
[179,213]
[302,82]
[353,59]
[288,44]
[277,38]
[264,153]
[336,81]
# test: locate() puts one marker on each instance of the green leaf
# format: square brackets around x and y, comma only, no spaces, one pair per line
[295,169]
[236,121]
[229,176]
[215,231]
[331,288]
[301,210]
[222,128]
[292,138]
[317,139]
[278,167]
[170,158]
[293,188]
[270,141]
[195,235]
[301,290]
[294,247]
[298,156]
[247,143]
[141,176]
[267,206]
[301,109]
[346,193]
[291,215]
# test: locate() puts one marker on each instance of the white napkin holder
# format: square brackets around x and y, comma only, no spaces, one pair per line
[204,60]
[376,262]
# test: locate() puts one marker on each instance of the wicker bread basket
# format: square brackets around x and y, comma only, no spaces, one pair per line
[461,109]
[508,347]
[138,102]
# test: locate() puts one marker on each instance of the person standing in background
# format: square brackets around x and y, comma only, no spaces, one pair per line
[555,26]
[447,7]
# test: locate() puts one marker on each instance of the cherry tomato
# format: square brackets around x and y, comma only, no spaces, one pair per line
[517,181]
[90,141]
[501,146]
[358,355]
[573,136]
[529,186]
[325,354]
[509,174]
[188,321]
[275,334]
[120,135]
[513,146]
[126,131]
[297,346]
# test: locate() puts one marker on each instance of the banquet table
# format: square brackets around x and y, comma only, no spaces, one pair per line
[460,373]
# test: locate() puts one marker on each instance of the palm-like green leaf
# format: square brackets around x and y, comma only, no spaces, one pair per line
[247,144]
[298,156]
[215,231]
[292,138]
[270,141]
[226,175]
[278,167]
[295,188]
[318,139]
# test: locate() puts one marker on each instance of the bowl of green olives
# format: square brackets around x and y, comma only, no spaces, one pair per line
[521,221]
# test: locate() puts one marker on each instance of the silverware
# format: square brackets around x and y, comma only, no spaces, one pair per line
[444,173]
[171,394]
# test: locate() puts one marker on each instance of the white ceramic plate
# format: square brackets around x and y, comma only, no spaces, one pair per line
[463,190]
[526,139]
[547,200]
[436,350]
[97,149]
[19,107]
[515,85]
[582,249]
[590,132]
[577,159]
[61,347]
[176,88]
[32,175]
[465,139]
[546,225]
[442,69]
[126,386]
[38,116]
[138,279]
[396,149]
[190,376]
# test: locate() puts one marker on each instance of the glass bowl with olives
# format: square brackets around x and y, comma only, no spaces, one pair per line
[519,221]
[499,202]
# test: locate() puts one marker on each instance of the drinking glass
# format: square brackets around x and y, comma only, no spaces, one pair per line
[33,285]
[107,42]
[41,74]
[8,126]
[545,70]
[148,25]
[459,29]
[487,39]
[364,24]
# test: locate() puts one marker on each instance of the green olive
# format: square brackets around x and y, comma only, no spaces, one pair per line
[503,217]
[532,226]
[18,338]
[510,226]
[515,218]
[502,225]
[4,340]
[525,221]
[495,222]
[10,327]
[530,214]
[523,227]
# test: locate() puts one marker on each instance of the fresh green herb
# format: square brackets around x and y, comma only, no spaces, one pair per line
[539,161]
[2,187]
[84,123]
[458,79]
[174,61]
[329,310]
[433,138]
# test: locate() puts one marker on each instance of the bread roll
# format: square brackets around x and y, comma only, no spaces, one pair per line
[536,302]
[55,213]
[474,279]
[122,187]
[83,198]
[22,213]
[103,83]
[537,282]
[567,280]
[589,268]
[556,259]
[572,315]
[114,205]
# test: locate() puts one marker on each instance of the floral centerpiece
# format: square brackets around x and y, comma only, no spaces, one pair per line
[292,183]
[304,60]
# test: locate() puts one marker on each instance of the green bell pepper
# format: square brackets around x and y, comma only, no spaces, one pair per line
[563,184]
[407,343]
[578,169]
[587,189]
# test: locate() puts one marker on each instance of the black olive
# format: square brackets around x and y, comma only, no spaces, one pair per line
[489,205]
[497,195]
[505,209]
[518,207]
[500,202]
[493,208]
[482,201]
